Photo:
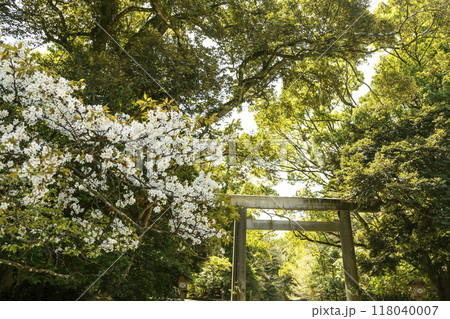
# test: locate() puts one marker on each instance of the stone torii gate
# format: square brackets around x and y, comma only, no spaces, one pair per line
[293,203]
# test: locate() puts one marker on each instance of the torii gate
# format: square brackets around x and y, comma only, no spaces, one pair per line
[343,226]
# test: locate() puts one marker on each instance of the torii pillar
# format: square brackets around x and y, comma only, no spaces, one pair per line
[348,257]
[239,275]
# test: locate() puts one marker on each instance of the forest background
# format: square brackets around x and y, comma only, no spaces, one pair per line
[296,65]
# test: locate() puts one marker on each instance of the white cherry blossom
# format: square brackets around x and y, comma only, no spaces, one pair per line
[71,168]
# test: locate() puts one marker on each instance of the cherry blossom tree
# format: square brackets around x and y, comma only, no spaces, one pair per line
[81,181]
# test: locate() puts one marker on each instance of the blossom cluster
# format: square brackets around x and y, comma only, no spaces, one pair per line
[74,176]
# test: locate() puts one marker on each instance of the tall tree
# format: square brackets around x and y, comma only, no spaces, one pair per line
[391,149]
[210,56]
[398,150]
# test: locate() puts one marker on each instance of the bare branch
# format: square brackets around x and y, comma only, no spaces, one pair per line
[302,236]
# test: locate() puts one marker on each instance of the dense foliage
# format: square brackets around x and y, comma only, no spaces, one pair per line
[209,56]
[390,149]
[398,155]
[109,155]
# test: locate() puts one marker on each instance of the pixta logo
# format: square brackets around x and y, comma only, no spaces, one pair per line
[333,311]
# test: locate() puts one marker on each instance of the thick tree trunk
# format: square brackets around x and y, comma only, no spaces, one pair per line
[439,277]
[106,12]
[6,280]
[443,288]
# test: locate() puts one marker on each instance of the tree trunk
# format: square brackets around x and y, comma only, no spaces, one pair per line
[439,277]
[443,288]
[106,11]
[6,280]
